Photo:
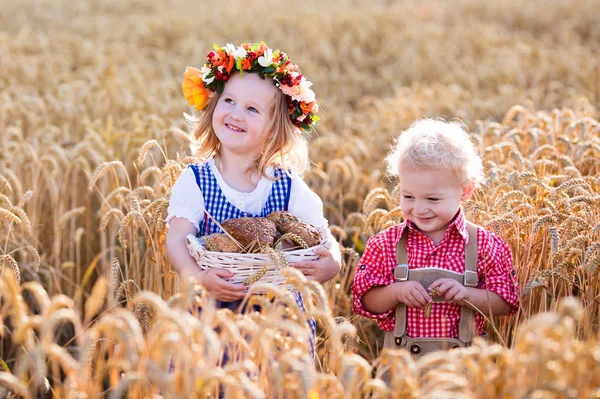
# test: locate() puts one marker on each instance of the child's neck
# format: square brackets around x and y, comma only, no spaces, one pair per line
[238,172]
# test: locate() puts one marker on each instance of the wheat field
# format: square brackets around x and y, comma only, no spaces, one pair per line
[93,138]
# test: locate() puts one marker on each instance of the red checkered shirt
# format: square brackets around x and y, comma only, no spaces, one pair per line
[494,269]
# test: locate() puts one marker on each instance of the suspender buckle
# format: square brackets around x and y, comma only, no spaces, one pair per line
[401,273]
[471,278]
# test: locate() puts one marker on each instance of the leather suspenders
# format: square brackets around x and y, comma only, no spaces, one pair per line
[426,276]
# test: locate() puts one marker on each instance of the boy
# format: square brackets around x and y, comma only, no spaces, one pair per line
[429,266]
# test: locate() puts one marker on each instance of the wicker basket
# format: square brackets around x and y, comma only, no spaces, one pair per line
[244,266]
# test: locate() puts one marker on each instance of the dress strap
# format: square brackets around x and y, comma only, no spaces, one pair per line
[196,171]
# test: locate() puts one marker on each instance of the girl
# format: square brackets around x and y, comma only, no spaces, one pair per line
[255,105]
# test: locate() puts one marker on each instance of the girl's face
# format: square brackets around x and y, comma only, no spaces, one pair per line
[243,113]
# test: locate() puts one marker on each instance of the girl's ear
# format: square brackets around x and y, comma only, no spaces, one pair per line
[468,190]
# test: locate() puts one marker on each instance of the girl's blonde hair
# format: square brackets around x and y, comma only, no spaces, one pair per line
[437,144]
[285,146]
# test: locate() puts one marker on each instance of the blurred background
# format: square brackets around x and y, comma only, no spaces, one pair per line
[84,85]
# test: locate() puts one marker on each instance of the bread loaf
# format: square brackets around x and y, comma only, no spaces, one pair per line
[288,223]
[251,231]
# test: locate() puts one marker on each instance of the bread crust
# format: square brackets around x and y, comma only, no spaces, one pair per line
[250,231]
[288,223]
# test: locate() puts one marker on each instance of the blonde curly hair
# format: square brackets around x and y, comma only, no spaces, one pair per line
[437,144]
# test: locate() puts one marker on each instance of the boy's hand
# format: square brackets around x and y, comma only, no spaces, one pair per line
[412,294]
[451,290]
[323,269]
[214,282]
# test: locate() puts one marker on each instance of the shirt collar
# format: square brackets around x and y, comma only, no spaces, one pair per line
[458,224]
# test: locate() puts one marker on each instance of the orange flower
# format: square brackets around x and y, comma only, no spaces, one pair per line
[261,49]
[308,107]
[193,88]
[245,64]
[229,64]
[219,58]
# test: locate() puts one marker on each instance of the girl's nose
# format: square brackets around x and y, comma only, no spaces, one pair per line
[236,113]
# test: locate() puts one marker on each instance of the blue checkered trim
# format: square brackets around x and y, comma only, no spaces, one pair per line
[220,209]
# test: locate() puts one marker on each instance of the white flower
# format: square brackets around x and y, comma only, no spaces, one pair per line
[229,48]
[306,94]
[266,59]
[239,53]
[205,72]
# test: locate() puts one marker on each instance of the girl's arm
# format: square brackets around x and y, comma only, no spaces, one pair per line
[326,267]
[185,265]
[182,261]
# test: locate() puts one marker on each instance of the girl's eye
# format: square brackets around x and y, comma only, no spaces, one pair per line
[408,196]
[433,199]
[228,100]
[252,109]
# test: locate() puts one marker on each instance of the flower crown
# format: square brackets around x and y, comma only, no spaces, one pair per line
[201,84]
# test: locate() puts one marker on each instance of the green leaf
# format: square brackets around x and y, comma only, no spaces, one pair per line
[269,69]
[216,46]
[220,86]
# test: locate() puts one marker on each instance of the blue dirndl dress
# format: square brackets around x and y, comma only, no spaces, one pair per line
[221,209]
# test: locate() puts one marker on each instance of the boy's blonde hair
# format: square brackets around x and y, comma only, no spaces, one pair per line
[437,144]
[285,146]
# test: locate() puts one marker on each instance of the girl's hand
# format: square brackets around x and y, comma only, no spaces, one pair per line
[323,269]
[214,282]
[451,290]
[412,294]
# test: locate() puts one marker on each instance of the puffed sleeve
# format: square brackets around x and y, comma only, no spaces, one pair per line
[186,201]
[495,269]
[375,269]
[306,204]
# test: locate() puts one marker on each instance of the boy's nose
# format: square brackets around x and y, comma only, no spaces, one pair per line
[421,209]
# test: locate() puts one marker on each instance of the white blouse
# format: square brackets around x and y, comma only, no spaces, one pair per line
[187,201]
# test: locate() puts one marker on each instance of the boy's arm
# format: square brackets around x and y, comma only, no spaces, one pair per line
[385,298]
[498,290]
[497,293]
[380,299]
[488,301]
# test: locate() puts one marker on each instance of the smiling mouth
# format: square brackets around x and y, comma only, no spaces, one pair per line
[234,128]
[428,218]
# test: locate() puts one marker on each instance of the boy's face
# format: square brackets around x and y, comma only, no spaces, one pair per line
[430,198]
